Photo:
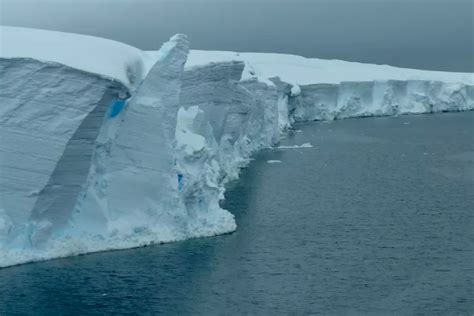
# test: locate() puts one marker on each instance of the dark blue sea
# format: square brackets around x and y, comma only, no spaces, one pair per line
[375,219]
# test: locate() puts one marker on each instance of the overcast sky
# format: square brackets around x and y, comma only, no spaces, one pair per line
[429,34]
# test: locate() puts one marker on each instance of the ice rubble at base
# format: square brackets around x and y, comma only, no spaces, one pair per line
[99,155]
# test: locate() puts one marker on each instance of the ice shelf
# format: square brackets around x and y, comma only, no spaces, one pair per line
[104,146]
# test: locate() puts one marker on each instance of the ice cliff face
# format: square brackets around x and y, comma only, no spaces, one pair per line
[222,120]
[92,160]
[133,186]
[85,168]
[380,98]
[50,117]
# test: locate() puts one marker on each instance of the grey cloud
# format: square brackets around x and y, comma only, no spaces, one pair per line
[410,33]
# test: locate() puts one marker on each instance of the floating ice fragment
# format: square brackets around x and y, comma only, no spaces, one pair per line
[305,145]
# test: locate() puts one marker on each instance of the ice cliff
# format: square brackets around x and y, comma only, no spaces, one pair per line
[104,146]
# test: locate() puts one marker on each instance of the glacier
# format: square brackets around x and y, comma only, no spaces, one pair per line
[104,146]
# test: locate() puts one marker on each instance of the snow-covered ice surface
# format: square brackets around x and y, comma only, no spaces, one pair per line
[105,57]
[303,71]
[104,146]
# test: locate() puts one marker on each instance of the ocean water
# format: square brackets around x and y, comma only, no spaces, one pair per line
[375,219]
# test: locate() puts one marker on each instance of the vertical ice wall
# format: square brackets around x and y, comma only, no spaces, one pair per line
[50,115]
[262,129]
[241,113]
[223,120]
[133,186]
[381,98]
[209,125]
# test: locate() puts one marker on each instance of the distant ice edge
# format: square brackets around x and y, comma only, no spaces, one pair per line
[110,171]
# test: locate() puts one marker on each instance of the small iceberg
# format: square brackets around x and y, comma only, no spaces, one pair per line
[305,145]
[274,161]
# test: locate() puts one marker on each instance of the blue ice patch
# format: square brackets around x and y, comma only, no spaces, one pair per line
[117,107]
[180,182]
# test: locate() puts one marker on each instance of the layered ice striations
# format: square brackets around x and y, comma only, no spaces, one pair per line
[96,160]
[50,117]
[132,188]
[84,167]
[380,98]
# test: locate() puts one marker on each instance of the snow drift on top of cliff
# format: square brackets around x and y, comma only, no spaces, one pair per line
[108,58]
[300,70]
